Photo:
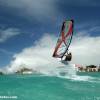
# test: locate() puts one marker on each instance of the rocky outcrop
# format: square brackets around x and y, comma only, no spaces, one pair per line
[24,70]
[1,73]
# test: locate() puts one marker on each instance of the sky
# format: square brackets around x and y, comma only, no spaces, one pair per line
[25,22]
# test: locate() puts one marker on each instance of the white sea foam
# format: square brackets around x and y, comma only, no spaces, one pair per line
[39,58]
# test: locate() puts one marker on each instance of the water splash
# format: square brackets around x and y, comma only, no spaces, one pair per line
[39,58]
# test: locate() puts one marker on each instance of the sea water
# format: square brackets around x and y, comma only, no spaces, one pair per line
[82,86]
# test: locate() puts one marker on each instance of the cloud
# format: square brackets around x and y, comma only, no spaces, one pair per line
[85,50]
[8,33]
[42,9]
[6,52]
[32,9]
[95,29]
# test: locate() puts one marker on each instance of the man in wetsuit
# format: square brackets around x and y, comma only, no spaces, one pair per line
[68,57]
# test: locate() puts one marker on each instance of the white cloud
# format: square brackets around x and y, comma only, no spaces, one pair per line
[8,33]
[6,52]
[32,8]
[42,9]
[95,29]
[85,50]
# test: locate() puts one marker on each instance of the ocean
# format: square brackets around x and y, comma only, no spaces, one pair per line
[80,86]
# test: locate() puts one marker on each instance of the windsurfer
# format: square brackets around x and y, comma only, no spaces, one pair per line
[63,43]
[68,57]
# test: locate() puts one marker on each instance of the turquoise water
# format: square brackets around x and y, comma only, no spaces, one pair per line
[85,86]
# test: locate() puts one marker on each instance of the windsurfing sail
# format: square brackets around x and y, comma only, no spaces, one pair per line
[64,39]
